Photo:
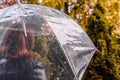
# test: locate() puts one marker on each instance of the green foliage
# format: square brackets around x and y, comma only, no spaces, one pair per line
[118,37]
[57,4]
[100,8]
[32,1]
[104,63]
[80,11]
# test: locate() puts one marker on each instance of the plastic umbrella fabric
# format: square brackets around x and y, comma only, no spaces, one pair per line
[74,42]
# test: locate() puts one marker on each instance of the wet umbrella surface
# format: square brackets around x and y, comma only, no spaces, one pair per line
[59,42]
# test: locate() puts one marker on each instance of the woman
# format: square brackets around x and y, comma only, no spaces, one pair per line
[17,62]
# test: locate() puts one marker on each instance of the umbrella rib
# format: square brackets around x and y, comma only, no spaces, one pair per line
[23,26]
[69,61]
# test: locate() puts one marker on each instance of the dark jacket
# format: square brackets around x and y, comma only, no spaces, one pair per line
[21,69]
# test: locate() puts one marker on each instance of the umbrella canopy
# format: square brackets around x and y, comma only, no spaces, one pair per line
[76,46]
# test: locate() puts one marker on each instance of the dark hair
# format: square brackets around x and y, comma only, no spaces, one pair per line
[15,43]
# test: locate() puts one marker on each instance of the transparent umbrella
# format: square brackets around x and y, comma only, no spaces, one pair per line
[56,35]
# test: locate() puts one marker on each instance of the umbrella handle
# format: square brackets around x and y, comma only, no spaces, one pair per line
[18,1]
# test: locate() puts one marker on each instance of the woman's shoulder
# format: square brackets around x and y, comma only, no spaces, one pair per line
[39,71]
[37,64]
[3,60]
[13,67]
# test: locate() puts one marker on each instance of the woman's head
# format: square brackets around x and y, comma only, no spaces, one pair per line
[15,43]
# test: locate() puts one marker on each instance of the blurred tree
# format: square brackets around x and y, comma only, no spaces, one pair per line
[104,63]
[79,10]
[111,7]
[57,4]
[32,1]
